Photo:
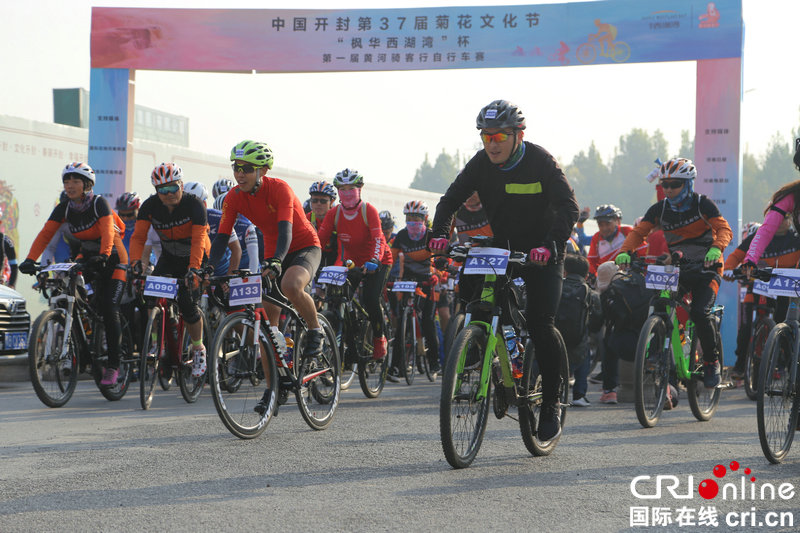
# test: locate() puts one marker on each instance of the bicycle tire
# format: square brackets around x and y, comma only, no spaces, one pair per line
[192,386]
[318,378]
[409,346]
[235,408]
[702,401]
[126,363]
[621,53]
[777,402]
[586,53]
[651,371]
[150,358]
[529,410]
[54,379]
[462,419]
[349,371]
[454,326]
[371,372]
[755,354]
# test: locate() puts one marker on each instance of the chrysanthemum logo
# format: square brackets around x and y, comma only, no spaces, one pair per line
[726,484]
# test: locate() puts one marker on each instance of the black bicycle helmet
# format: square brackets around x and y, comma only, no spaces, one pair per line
[501,114]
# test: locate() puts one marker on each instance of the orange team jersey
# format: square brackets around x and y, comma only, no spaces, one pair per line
[98,228]
[274,202]
[183,232]
[358,241]
[602,250]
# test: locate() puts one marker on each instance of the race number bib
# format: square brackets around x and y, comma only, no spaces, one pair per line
[761,287]
[662,278]
[519,282]
[404,286]
[58,267]
[785,282]
[486,261]
[244,291]
[333,275]
[161,287]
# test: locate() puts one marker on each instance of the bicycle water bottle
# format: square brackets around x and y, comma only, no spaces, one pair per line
[280,345]
[289,349]
[512,345]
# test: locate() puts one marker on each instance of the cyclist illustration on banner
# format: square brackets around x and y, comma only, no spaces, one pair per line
[618,51]
[709,19]
[560,55]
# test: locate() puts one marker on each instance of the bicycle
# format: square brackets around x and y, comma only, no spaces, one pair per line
[350,322]
[479,359]
[618,51]
[409,335]
[166,347]
[777,400]
[761,324]
[69,337]
[663,334]
[248,352]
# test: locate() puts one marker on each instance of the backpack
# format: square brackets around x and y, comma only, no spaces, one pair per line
[626,301]
[573,310]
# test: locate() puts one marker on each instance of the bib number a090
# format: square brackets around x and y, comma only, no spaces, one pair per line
[161,287]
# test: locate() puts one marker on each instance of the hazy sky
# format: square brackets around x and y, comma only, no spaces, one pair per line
[383,123]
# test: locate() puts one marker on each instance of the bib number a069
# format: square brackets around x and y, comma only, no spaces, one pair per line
[486,261]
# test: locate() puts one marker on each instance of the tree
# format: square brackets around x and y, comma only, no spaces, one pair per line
[632,162]
[588,175]
[437,178]
[687,146]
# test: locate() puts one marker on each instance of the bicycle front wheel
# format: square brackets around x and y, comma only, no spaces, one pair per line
[702,401]
[651,371]
[191,386]
[53,377]
[776,403]
[318,388]
[348,369]
[408,345]
[234,351]
[463,415]
[755,354]
[530,407]
[371,372]
[150,357]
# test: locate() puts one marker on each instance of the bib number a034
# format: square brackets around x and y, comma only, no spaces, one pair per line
[662,278]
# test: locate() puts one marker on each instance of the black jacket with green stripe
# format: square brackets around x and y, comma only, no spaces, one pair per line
[528,205]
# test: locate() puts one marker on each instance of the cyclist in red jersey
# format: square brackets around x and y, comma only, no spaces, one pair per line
[323,197]
[290,241]
[611,233]
[360,239]
[99,231]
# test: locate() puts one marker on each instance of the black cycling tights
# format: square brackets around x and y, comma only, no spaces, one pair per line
[371,289]
[108,295]
[543,286]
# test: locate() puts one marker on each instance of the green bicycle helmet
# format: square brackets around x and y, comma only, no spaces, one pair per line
[254,152]
[348,177]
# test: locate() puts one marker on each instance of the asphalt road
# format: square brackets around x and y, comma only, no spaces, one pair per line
[95,465]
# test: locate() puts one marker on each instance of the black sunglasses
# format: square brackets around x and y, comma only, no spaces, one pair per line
[673,184]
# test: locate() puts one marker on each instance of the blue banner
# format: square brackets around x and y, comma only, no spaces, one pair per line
[108,130]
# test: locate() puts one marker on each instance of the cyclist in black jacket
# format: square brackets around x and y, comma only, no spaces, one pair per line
[531,208]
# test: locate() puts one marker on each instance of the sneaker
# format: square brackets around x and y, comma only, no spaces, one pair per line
[314,340]
[736,373]
[263,403]
[597,378]
[379,347]
[581,402]
[393,375]
[198,361]
[434,366]
[609,396]
[110,376]
[549,421]
[711,375]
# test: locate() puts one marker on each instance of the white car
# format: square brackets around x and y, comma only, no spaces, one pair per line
[15,322]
